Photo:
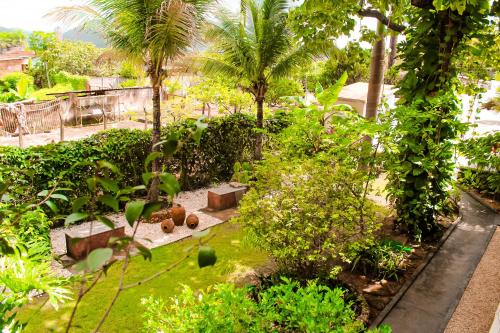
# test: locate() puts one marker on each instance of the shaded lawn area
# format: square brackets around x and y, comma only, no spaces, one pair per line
[126,316]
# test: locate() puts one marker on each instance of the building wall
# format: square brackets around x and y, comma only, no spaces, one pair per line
[12,65]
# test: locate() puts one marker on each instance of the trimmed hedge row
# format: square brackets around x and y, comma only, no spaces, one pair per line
[225,141]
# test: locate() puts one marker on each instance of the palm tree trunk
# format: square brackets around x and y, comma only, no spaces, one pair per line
[154,191]
[394,50]
[260,125]
[376,74]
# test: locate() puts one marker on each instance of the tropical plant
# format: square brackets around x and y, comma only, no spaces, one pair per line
[255,47]
[157,32]
[285,307]
[426,123]
[11,38]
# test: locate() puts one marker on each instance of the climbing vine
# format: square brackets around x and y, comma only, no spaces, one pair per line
[426,122]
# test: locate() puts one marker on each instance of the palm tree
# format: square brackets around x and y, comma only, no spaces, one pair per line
[156,32]
[255,47]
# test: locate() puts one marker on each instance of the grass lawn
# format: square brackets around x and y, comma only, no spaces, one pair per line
[233,255]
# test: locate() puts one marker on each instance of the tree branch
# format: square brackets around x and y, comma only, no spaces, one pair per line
[370,12]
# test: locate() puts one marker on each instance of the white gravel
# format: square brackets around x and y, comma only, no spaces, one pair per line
[150,235]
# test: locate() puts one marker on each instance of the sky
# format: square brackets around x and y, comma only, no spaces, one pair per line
[28,14]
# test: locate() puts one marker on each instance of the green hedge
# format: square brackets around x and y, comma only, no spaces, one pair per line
[225,141]
[483,172]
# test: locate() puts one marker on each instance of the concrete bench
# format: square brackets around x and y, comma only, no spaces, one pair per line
[225,197]
[79,242]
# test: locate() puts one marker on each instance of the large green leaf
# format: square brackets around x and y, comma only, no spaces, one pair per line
[109,201]
[134,210]
[97,258]
[75,217]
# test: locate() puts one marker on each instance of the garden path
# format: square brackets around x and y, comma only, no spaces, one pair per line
[431,300]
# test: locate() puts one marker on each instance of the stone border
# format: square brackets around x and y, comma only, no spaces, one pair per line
[382,315]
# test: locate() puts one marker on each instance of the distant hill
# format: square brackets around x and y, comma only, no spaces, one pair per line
[73,34]
[91,37]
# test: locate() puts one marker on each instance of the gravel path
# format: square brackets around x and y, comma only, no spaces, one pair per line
[150,235]
[476,310]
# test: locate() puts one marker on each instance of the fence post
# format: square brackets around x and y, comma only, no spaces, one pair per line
[145,118]
[20,127]
[61,126]
[104,113]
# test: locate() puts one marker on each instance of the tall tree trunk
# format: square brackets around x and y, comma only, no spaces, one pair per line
[376,74]
[154,191]
[394,49]
[260,125]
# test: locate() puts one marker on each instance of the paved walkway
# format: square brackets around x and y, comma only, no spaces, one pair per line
[476,311]
[429,303]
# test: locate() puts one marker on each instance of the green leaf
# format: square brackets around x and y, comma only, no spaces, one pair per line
[52,206]
[144,251]
[169,184]
[109,201]
[43,193]
[110,166]
[206,256]
[151,157]
[97,258]
[146,177]
[108,184]
[78,203]
[134,210]
[150,208]
[75,217]
[59,196]
[91,184]
[106,221]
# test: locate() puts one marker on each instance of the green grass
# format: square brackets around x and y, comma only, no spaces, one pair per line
[233,255]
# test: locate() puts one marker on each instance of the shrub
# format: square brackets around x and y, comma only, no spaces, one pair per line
[12,79]
[43,94]
[129,83]
[225,141]
[283,88]
[77,82]
[384,259]
[286,307]
[483,154]
[307,214]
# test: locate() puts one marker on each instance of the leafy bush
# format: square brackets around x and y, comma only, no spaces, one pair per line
[12,79]
[283,88]
[225,141]
[129,83]
[307,214]
[384,259]
[286,307]
[419,145]
[483,154]
[43,94]
[77,82]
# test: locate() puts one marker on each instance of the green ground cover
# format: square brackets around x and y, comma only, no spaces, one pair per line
[233,254]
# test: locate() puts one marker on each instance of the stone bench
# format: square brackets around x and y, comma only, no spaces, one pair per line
[225,197]
[79,242]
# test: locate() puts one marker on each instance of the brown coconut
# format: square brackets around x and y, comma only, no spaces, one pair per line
[192,221]
[167,226]
[178,214]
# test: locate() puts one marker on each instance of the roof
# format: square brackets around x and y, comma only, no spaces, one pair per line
[16,54]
